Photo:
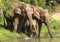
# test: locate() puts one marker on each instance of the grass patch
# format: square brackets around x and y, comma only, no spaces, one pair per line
[6,34]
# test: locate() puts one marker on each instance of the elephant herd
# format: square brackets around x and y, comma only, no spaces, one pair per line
[31,17]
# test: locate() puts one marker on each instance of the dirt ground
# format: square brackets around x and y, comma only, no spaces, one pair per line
[56,16]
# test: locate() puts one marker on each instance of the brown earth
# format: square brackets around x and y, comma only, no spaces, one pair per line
[56,16]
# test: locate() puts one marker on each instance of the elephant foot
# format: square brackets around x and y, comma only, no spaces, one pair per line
[14,31]
[31,35]
[37,36]
[51,36]
[27,38]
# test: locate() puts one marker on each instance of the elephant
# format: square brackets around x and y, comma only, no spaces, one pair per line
[44,18]
[47,22]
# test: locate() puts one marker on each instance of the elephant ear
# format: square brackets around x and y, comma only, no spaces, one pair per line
[18,11]
[36,12]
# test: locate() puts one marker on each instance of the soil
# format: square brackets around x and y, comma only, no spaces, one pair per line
[56,16]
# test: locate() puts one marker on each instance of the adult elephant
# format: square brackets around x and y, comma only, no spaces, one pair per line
[44,18]
[28,11]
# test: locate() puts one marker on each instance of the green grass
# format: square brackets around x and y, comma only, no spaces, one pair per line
[7,34]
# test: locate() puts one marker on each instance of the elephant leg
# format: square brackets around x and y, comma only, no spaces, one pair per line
[30,22]
[21,24]
[26,26]
[15,25]
[48,26]
[40,27]
[26,29]
[37,30]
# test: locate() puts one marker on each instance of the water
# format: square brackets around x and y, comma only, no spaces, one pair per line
[33,40]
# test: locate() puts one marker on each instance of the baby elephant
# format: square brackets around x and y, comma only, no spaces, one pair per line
[34,26]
